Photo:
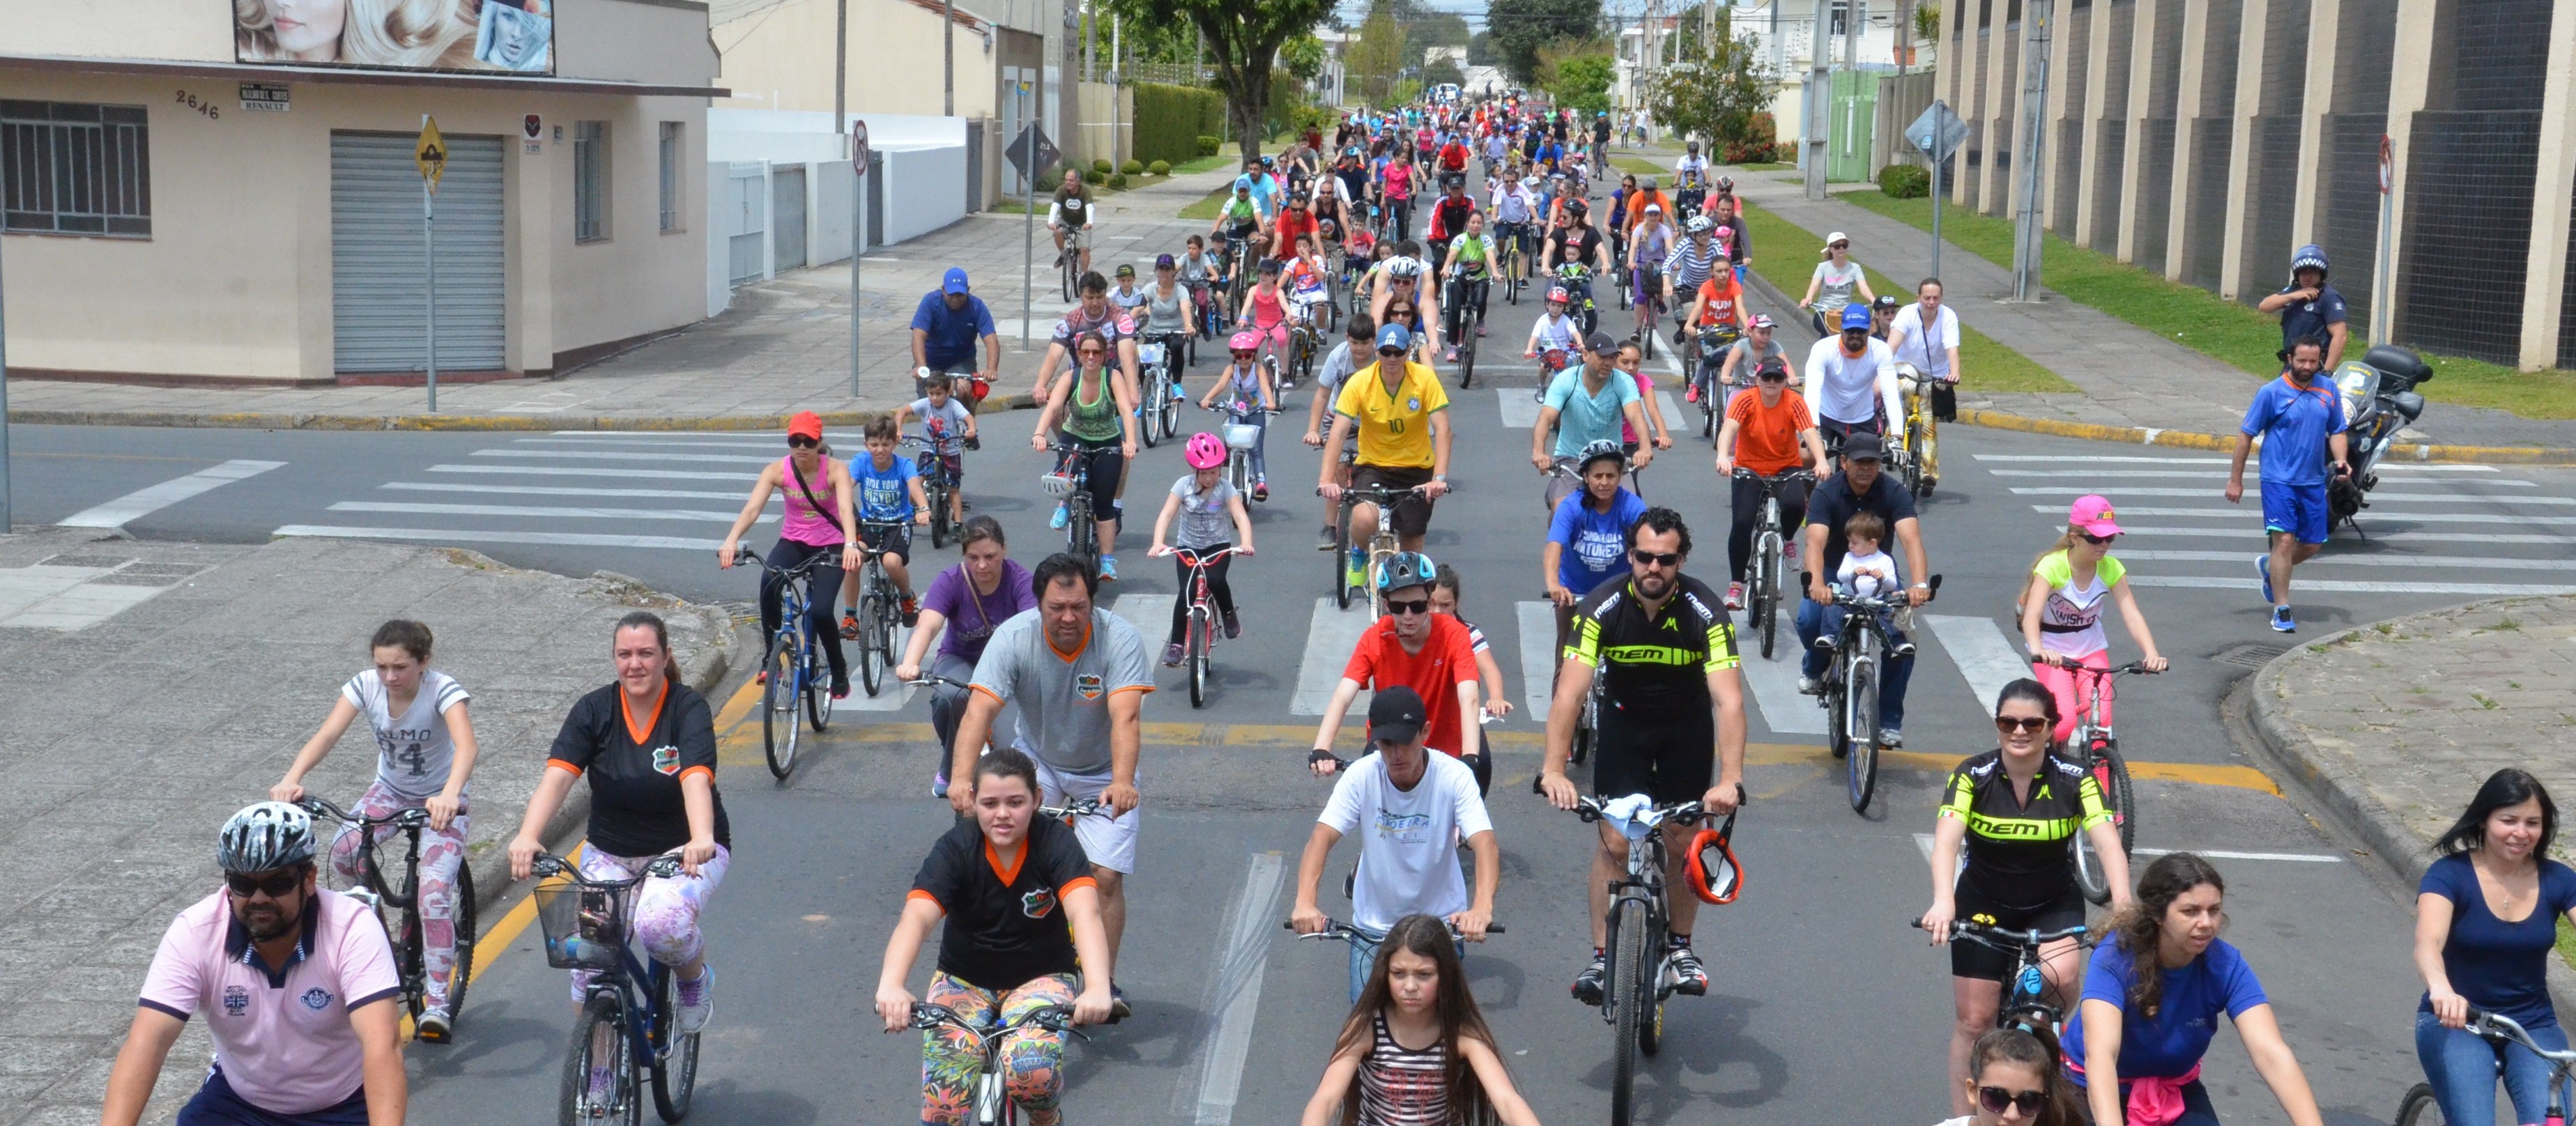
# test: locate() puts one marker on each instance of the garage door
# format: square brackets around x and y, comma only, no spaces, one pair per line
[376,276]
[787,232]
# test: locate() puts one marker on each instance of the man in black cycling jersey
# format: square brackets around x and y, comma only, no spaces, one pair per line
[1661,642]
[1449,216]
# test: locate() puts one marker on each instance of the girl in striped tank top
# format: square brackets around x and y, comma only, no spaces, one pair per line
[1415,1051]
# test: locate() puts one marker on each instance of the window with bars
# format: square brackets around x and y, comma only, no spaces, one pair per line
[670,154]
[74,168]
[589,181]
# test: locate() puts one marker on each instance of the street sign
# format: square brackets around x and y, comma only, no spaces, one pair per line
[1018,152]
[859,147]
[430,154]
[1937,133]
[270,97]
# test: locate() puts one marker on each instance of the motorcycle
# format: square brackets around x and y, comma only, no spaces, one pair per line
[2379,399]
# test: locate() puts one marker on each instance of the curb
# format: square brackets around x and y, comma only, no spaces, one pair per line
[2184,439]
[255,420]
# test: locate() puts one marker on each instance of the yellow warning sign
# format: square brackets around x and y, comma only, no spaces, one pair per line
[430,153]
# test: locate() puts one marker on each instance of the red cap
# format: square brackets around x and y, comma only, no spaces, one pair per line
[806,424]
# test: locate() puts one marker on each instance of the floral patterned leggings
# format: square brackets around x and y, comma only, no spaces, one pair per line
[1033,1057]
[440,853]
[666,910]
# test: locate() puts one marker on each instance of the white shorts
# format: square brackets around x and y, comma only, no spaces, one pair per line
[1109,842]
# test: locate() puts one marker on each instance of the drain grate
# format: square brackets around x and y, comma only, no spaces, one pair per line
[94,562]
[2250,655]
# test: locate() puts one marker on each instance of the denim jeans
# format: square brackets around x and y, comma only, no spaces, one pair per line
[1816,619]
[2462,1067]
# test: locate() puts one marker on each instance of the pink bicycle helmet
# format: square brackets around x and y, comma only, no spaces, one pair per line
[1205,451]
[1244,341]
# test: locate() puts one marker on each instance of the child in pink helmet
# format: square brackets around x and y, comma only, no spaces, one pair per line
[1249,393]
[1207,507]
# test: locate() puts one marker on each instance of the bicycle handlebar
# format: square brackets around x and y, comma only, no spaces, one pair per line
[547,864]
[1340,931]
[1054,1018]
[1799,475]
[2133,668]
[2009,941]
[2497,1026]
[1077,807]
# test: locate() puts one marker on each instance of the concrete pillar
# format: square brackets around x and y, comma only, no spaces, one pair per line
[2097,93]
[2142,78]
[2261,19]
[1960,90]
[2549,200]
[1994,189]
[2178,216]
[2061,16]
[2325,32]
[2409,82]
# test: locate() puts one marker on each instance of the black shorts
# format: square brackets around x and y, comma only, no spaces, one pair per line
[1413,513]
[1975,960]
[1669,758]
[892,539]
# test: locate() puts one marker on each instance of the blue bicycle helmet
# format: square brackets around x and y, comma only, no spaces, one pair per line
[2309,257]
[1410,568]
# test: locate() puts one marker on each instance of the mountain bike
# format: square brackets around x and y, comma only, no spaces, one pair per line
[1640,974]
[1914,456]
[1513,260]
[1157,396]
[1204,315]
[629,1021]
[1714,341]
[1070,265]
[2419,1108]
[1199,641]
[397,905]
[880,609]
[2025,1005]
[993,1105]
[1072,482]
[1850,697]
[1650,307]
[1303,343]
[2096,748]
[1457,306]
[795,667]
[1770,564]
[931,464]
[1353,568]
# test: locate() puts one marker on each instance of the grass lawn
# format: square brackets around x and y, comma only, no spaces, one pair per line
[2567,942]
[1989,366]
[1206,208]
[2206,322]
[1202,164]
[1766,166]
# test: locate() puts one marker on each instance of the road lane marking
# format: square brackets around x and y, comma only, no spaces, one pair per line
[2377,496]
[1234,993]
[145,501]
[626,455]
[1151,614]
[476,535]
[1785,710]
[1982,652]
[2417,517]
[2241,532]
[1538,657]
[558,491]
[2204,475]
[1520,412]
[1331,634]
[541,512]
[575,471]
[2465,563]
[2348,586]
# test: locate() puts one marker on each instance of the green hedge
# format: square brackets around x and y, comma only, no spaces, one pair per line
[1905,181]
[1171,119]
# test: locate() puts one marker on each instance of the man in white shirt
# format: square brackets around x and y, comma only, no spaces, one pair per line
[1926,335]
[1850,379]
[1412,807]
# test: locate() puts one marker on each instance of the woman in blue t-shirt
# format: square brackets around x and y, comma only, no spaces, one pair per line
[2149,1031]
[1587,537]
[2494,864]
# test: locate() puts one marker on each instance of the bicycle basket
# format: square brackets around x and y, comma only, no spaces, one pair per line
[585,927]
[1242,437]
[1056,484]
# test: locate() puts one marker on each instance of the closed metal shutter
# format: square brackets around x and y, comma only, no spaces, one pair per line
[377,317]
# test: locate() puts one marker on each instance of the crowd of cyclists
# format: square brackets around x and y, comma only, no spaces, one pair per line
[299,986]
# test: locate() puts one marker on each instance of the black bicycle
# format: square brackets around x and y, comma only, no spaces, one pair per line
[397,906]
[1850,697]
[1072,481]
[1458,306]
[937,486]
[2025,1001]
[1640,972]
[630,1015]
[1764,585]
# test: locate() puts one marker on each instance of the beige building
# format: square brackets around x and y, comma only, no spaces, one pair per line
[175,214]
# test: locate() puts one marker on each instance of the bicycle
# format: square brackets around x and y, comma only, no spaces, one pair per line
[1913,452]
[795,667]
[1714,342]
[1649,307]
[1380,548]
[1513,260]
[630,1013]
[1770,540]
[993,1105]
[1550,362]
[880,609]
[931,464]
[1199,644]
[1240,436]
[2419,1108]
[2025,1005]
[381,895]
[1577,280]
[1157,416]
[2096,748]
[1072,482]
[1456,306]
[1069,265]
[1638,978]
[1302,342]
[1850,696]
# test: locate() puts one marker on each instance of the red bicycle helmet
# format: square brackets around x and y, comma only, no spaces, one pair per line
[1714,875]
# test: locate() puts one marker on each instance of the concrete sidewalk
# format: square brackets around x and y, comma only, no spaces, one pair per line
[151,689]
[783,347]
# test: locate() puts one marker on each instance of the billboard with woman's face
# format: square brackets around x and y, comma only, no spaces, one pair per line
[514,36]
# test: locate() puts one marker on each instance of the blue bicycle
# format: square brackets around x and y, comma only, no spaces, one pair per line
[794,667]
[629,1021]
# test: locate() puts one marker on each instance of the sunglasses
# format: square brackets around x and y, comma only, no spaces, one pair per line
[801,442]
[1773,377]
[1839,246]
[2027,725]
[1417,606]
[276,885]
[2098,541]
[1657,558]
[1995,1099]
[1390,352]
[1095,351]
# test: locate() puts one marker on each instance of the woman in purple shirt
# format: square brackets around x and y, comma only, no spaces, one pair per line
[2486,917]
[966,601]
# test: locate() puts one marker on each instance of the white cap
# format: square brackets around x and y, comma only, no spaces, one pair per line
[1835,237]
[1654,207]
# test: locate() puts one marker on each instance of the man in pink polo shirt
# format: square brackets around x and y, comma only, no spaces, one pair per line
[298,987]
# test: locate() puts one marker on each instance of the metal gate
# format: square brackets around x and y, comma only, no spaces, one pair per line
[787,211]
[1854,106]
[379,321]
[745,222]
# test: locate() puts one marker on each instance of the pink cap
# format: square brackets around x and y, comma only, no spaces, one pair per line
[2093,514]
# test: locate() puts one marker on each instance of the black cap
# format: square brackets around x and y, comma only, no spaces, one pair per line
[1863,447]
[1396,714]
[1600,344]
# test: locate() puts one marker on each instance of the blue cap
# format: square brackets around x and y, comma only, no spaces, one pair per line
[955,282]
[1855,315]
[1394,336]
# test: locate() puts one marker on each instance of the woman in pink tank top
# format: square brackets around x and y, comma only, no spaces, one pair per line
[819,521]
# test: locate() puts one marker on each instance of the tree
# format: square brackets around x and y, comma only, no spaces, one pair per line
[1519,28]
[1302,57]
[1243,42]
[1480,49]
[1375,60]
[1717,95]
[1426,26]
[1579,78]
[1443,69]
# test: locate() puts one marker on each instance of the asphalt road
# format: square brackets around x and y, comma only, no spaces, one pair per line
[1825,1007]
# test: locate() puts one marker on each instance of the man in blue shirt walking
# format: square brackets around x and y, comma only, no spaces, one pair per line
[2301,420]
[945,329]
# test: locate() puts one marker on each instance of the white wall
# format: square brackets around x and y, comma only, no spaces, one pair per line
[924,169]
[923,191]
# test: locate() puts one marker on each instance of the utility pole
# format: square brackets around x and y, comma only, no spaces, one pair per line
[948,56]
[841,78]
[1090,44]
[1851,34]
[1029,199]
[2031,154]
[1818,112]
[1902,32]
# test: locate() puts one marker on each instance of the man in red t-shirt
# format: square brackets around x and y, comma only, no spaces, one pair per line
[1429,653]
[1453,156]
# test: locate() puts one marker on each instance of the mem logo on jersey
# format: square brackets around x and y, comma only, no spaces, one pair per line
[1089,685]
[666,759]
[1038,904]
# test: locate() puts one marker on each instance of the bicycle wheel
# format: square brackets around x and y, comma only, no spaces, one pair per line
[1860,764]
[2419,1108]
[1766,593]
[818,688]
[1147,416]
[939,513]
[871,670]
[1198,658]
[461,973]
[1341,560]
[601,1028]
[1629,997]
[409,966]
[675,1072]
[1587,727]
[2111,774]
[1467,361]
[778,730]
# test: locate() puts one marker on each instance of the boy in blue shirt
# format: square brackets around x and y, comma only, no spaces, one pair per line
[2301,419]
[889,493]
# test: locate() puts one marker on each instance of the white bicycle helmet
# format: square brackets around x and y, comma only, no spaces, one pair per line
[1699,225]
[1529,181]
[1404,267]
[264,838]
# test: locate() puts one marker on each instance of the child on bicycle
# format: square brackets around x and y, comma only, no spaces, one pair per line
[424,753]
[1308,288]
[1249,396]
[947,425]
[1207,507]
[2061,610]
[1198,272]
[887,491]
[2016,1078]
[1265,309]
[1868,572]
[1444,600]
[1416,994]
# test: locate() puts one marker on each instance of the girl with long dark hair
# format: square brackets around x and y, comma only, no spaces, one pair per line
[1415,1050]
[2486,916]
[2015,1079]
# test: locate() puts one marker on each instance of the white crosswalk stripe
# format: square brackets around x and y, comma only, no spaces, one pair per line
[2377,496]
[1330,635]
[2424,517]
[1978,646]
[1538,656]
[146,501]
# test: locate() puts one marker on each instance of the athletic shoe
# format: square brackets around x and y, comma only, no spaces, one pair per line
[841,686]
[1735,596]
[433,1027]
[939,785]
[1452,357]
[1810,686]
[2281,622]
[1685,965]
[1901,649]
[1172,655]
[697,1001]
[1789,549]
[1890,737]
[1233,626]
[761,677]
[1057,521]
[1119,1009]
[1328,540]
[1692,395]
[1480,328]
[603,1091]
[2263,567]
[1587,985]
[1261,491]
[911,612]
[850,624]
